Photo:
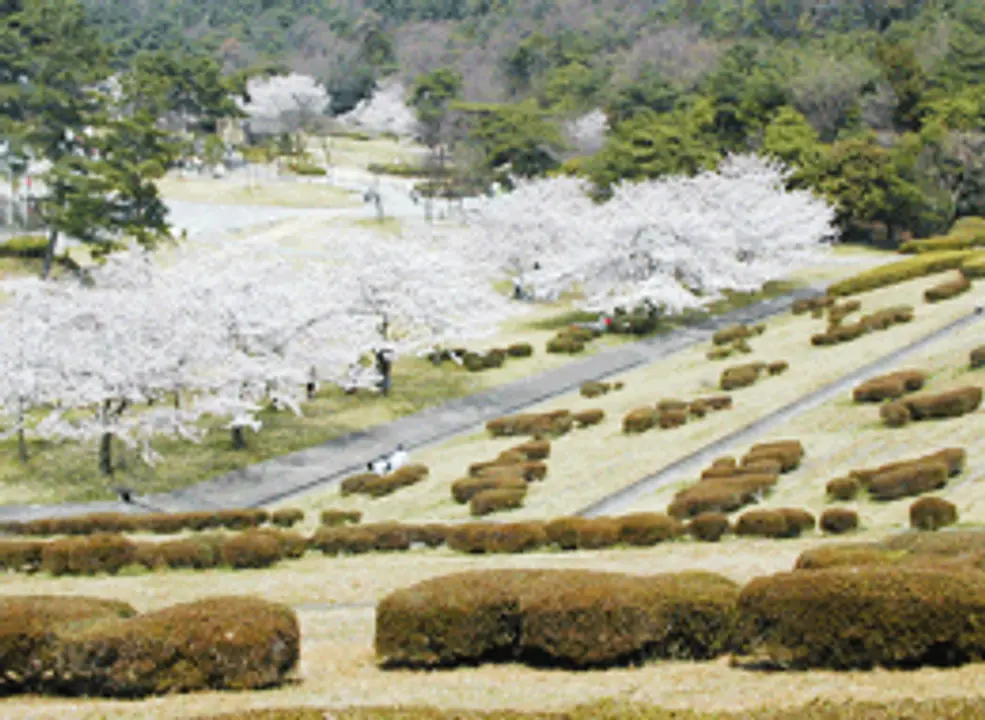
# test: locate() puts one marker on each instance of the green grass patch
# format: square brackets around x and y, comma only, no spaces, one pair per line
[968,232]
[909,269]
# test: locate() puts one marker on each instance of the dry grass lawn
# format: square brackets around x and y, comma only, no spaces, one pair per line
[842,435]
[338,668]
[295,194]
[585,465]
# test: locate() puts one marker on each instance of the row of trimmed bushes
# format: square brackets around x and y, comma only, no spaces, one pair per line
[571,340]
[901,271]
[948,404]
[837,312]
[839,618]
[501,483]
[84,646]
[158,523]
[740,376]
[728,335]
[905,478]
[879,320]
[889,387]
[728,485]
[667,413]
[967,233]
[595,388]
[109,553]
[377,486]
[552,423]
[495,358]
[802,306]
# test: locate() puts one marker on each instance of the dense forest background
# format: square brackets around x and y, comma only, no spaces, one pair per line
[878,103]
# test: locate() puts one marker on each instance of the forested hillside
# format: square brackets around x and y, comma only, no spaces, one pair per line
[879,104]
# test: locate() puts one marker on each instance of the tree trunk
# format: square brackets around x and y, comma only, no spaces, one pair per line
[49,254]
[239,438]
[177,399]
[21,446]
[106,454]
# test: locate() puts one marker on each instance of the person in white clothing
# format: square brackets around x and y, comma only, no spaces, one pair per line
[398,458]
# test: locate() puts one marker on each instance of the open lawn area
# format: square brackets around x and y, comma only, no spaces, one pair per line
[587,464]
[293,193]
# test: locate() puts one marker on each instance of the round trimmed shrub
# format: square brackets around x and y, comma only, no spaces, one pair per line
[340,517]
[21,555]
[490,501]
[647,529]
[251,549]
[669,419]
[429,535]
[862,617]
[88,555]
[286,517]
[639,420]
[895,414]
[482,537]
[735,378]
[593,389]
[798,520]
[578,533]
[932,513]
[846,555]
[463,490]
[708,527]
[586,418]
[846,488]
[778,368]
[234,643]
[912,479]
[765,523]
[537,449]
[837,521]
[520,350]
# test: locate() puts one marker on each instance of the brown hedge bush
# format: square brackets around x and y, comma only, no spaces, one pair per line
[846,555]
[778,367]
[578,533]
[949,543]
[338,540]
[862,617]
[976,358]
[235,643]
[766,523]
[954,458]
[953,403]
[587,418]
[895,414]
[947,289]
[286,517]
[292,544]
[520,350]
[565,345]
[739,376]
[639,420]
[496,500]
[708,527]
[788,453]
[556,422]
[463,490]
[429,535]
[647,529]
[715,472]
[594,389]
[719,402]
[535,449]
[759,465]
[846,488]
[670,419]
[932,513]
[30,629]
[837,521]
[909,480]
[720,495]
[88,555]
[195,553]
[698,408]
[483,537]
[889,387]
[838,312]
[251,549]
[730,334]
[388,484]
[567,618]
[340,517]
[798,519]
[355,483]
[21,555]
[671,404]
[802,306]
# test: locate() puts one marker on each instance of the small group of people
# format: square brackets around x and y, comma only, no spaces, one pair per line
[389,462]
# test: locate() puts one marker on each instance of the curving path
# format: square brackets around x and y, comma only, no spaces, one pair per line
[691,465]
[325,465]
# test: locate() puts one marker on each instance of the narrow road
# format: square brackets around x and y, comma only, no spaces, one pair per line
[325,465]
[692,465]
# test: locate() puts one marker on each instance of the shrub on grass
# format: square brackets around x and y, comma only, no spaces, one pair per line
[90,555]
[594,389]
[292,544]
[340,517]
[895,414]
[577,533]
[241,519]
[672,405]
[30,626]
[20,555]
[976,358]
[463,490]
[954,458]
[535,449]
[863,617]
[496,500]
[343,540]
[387,536]
[953,403]
[765,523]
[196,553]
[481,537]
[429,535]
[533,470]
[948,289]
[647,529]
[964,235]
[639,420]
[889,387]
[520,350]
[949,543]
[759,465]
[719,402]
[777,368]
[788,453]
[730,334]
[556,422]
[563,617]
[286,517]
[251,549]
[698,408]
[974,267]
[708,526]
[355,483]
[798,519]
[723,495]
[837,521]
[907,481]
[838,312]
[846,488]
[720,471]
[846,555]
[565,345]
[901,271]
[672,419]
[737,377]
[235,643]
[719,353]
[587,418]
[932,513]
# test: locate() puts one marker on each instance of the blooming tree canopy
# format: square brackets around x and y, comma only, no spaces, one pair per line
[671,243]
[283,103]
[385,111]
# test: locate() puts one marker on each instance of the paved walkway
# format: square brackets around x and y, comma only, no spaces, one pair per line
[692,465]
[325,465]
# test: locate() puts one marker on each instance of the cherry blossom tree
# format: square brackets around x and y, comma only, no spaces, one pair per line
[385,111]
[668,244]
[284,103]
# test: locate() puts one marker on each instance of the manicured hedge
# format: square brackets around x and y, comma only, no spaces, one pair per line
[846,488]
[340,517]
[159,523]
[496,499]
[520,350]
[565,618]
[464,489]
[708,527]
[932,513]
[889,387]
[594,388]
[640,420]
[555,422]
[846,555]
[967,233]
[739,376]
[837,521]
[774,523]
[286,517]
[907,481]
[880,320]
[947,289]
[953,458]
[861,617]
[377,486]
[482,538]
[86,646]
[802,306]
[587,418]
[974,267]
[949,404]
[839,311]
[720,495]
[90,555]
[901,271]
